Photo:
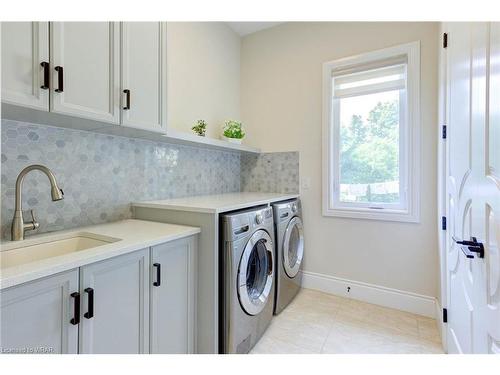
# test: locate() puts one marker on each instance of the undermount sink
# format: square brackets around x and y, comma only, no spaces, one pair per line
[32,250]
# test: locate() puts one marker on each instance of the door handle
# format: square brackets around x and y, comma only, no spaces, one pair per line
[470,247]
[90,310]
[46,83]
[60,78]
[269,263]
[76,313]
[158,274]
[241,230]
[127,93]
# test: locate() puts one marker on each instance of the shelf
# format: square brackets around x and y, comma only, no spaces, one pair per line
[17,113]
[193,140]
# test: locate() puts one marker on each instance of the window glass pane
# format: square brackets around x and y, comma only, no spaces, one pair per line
[369,148]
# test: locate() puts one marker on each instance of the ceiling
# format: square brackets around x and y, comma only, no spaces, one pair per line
[245,28]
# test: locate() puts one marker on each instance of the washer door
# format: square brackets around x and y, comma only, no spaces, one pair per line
[293,247]
[255,273]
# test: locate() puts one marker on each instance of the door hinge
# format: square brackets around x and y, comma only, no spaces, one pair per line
[443,222]
[445,315]
[443,132]
[445,40]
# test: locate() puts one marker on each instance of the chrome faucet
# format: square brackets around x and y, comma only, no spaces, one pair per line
[19,227]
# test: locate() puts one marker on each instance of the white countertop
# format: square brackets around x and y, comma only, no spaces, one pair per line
[216,203]
[133,234]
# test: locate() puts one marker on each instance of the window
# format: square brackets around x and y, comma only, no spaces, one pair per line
[371,135]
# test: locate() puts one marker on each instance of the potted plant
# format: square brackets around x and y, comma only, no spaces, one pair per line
[200,128]
[233,131]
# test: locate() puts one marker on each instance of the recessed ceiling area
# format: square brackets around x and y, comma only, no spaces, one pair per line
[245,28]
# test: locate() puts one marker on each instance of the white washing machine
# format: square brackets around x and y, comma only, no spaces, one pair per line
[289,251]
[246,270]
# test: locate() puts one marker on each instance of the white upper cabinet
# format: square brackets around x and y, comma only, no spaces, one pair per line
[85,68]
[25,46]
[143,81]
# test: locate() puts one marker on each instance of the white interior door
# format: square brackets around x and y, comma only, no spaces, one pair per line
[473,188]
[489,195]
[85,63]
[25,50]
[144,84]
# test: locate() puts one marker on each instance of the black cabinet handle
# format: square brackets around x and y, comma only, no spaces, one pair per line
[60,78]
[76,314]
[46,83]
[127,92]
[158,274]
[90,311]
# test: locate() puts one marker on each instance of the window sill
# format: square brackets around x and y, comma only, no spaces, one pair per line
[370,214]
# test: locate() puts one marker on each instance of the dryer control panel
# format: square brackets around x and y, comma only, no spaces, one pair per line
[238,224]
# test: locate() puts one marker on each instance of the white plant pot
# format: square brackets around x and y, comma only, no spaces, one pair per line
[232,140]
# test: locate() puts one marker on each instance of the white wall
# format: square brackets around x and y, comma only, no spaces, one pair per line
[281,107]
[203,75]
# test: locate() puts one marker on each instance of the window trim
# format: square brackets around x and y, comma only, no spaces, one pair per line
[410,143]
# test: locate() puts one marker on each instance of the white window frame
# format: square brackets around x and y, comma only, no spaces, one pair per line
[409,142]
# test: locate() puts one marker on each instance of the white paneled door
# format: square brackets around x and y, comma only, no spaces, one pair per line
[41,316]
[473,187]
[85,63]
[144,83]
[173,297]
[25,64]
[115,305]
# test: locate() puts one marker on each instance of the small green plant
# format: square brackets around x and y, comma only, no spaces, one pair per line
[233,129]
[200,128]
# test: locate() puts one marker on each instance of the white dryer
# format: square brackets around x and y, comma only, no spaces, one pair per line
[289,233]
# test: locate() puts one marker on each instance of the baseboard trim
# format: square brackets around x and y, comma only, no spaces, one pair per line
[376,294]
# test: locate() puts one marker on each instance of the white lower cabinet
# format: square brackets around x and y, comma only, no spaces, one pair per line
[115,305]
[173,298]
[104,307]
[36,317]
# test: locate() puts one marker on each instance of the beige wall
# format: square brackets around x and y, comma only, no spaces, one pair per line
[203,75]
[281,92]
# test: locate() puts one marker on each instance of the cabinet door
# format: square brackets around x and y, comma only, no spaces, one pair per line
[85,65]
[120,316]
[35,317]
[173,297]
[144,64]
[25,46]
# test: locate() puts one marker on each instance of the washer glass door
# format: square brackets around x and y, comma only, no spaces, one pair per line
[293,247]
[255,273]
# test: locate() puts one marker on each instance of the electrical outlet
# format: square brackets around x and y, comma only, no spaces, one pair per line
[348,289]
[306,183]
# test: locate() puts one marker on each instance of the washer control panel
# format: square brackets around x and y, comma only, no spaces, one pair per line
[259,219]
[263,215]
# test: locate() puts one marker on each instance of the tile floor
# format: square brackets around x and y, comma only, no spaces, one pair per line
[317,322]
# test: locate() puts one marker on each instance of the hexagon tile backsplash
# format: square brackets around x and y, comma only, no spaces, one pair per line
[273,172]
[102,174]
